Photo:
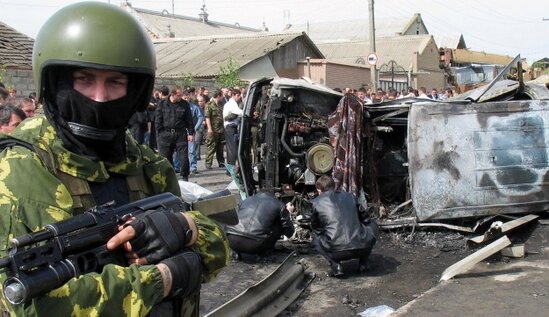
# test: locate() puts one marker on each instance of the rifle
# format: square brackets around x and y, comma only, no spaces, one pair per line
[44,260]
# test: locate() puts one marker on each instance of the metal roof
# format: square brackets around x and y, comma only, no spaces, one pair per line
[202,56]
[15,48]
[474,57]
[453,41]
[161,24]
[356,30]
[398,48]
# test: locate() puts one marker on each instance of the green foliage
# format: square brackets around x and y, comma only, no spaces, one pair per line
[539,64]
[2,74]
[186,80]
[228,75]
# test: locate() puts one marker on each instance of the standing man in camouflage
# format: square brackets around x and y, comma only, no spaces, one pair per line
[213,114]
[80,155]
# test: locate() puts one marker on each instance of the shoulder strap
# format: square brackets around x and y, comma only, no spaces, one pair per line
[10,142]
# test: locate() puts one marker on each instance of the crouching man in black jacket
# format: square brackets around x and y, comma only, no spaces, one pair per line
[262,220]
[340,233]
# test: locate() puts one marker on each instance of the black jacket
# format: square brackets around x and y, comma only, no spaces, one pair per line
[176,116]
[335,220]
[259,214]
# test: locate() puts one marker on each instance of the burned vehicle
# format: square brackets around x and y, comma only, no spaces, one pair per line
[284,136]
[480,153]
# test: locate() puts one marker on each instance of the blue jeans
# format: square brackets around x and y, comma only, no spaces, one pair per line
[192,156]
[176,162]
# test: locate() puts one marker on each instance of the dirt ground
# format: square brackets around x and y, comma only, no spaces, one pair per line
[404,264]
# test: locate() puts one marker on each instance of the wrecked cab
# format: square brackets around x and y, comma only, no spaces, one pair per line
[283,135]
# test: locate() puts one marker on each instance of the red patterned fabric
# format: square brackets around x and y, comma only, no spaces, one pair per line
[345,129]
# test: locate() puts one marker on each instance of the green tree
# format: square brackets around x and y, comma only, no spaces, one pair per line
[228,74]
[540,64]
[2,74]
[186,80]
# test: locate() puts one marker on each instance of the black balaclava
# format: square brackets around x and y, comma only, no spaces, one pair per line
[86,127]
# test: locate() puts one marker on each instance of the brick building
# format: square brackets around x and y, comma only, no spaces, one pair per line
[16,60]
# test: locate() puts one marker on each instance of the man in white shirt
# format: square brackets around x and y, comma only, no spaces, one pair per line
[231,119]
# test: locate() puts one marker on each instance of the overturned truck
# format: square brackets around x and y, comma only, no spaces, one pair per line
[481,153]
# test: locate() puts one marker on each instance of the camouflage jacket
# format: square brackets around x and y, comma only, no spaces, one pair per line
[215,114]
[32,195]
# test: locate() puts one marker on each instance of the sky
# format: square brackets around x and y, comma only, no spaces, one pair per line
[507,27]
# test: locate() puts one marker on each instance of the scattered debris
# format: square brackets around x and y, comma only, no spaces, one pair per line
[397,208]
[412,222]
[514,251]
[498,229]
[223,204]
[482,221]
[377,311]
[471,260]
[272,295]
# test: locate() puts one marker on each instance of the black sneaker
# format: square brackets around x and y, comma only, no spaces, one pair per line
[209,167]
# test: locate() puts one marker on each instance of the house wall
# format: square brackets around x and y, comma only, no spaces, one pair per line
[197,83]
[21,79]
[336,75]
[416,28]
[344,76]
[285,59]
[317,71]
[428,73]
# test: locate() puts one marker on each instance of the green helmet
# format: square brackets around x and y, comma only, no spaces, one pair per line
[96,35]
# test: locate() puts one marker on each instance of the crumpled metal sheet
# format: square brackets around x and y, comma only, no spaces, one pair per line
[469,160]
[272,295]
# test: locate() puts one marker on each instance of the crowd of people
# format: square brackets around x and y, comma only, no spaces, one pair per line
[179,120]
[14,108]
[368,96]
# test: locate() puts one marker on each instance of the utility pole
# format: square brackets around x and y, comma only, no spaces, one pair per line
[373,70]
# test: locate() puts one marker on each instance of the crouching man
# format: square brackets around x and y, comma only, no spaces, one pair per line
[262,220]
[340,233]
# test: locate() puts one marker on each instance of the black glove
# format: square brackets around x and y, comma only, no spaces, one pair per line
[186,269]
[159,234]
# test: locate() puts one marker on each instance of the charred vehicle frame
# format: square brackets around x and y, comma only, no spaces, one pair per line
[480,153]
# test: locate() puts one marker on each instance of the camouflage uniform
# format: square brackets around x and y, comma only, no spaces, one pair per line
[34,192]
[214,141]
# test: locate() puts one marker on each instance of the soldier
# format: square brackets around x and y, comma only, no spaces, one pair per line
[94,67]
[214,123]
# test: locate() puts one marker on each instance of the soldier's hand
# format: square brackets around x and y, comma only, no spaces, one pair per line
[181,274]
[154,235]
